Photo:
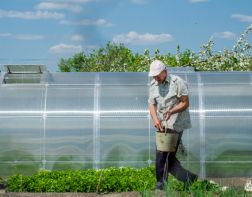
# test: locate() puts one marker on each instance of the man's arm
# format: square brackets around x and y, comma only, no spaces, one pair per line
[181,106]
[156,121]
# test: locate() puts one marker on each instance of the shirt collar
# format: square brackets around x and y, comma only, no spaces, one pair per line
[167,80]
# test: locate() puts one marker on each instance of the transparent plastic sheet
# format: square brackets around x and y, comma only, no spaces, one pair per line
[96,120]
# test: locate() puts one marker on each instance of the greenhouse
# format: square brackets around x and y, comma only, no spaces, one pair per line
[80,120]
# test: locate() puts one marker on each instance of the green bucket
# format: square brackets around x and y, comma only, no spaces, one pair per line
[166,142]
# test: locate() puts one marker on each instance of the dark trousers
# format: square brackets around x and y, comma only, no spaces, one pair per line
[166,162]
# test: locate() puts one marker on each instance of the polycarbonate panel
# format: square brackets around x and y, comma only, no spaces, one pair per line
[225,77]
[229,169]
[96,120]
[23,167]
[123,78]
[125,139]
[74,78]
[20,139]
[230,142]
[190,78]
[190,155]
[192,167]
[218,100]
[115,100]
[25,100]
[69,139]
[70,100]
[194,99]
[68,164]
[191,140]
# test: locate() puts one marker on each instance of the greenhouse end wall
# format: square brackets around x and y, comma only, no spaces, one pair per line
[96,120]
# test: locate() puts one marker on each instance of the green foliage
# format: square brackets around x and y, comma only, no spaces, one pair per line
[237,59]
[101,181]
[111,179]
[204,186]
[17,183]
[118,58]
[112,58]
[2,181]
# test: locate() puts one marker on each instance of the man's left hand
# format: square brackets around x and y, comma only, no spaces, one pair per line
[167,115]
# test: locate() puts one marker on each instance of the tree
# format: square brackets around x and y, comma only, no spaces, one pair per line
[112,58]
[118,58]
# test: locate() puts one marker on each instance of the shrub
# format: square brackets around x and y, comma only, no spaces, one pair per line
[108,180]
[101,181]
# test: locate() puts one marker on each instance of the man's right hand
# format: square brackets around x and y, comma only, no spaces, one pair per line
[158,125]
[156,121]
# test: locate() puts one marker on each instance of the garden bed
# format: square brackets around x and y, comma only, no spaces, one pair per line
[71,194]
[113,182]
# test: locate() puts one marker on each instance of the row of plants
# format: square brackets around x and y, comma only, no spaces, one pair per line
[108,180]
[100,181]
[118,58]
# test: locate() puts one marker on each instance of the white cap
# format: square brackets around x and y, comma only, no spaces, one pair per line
[156,67]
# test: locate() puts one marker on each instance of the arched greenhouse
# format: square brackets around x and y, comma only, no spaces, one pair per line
[94,120]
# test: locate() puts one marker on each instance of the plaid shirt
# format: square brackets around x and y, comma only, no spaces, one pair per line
[165,96]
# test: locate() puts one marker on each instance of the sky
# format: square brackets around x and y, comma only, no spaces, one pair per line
[43,31]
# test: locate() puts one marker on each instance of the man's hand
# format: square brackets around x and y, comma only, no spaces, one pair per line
[167,115]
[156,121]
[181,106]
[158,125]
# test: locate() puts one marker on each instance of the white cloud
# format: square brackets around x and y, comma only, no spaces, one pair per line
[28,37]
[80,1]
[77,38]
[147,38]
[83,1]
[31,15]
[5,34]
[224,35]
[83,22]
[59,6]
[197,1]
[141,2]
[65,48]
[22,36]
[73,1]
[242,18]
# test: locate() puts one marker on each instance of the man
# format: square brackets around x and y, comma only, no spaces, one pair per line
[168,106]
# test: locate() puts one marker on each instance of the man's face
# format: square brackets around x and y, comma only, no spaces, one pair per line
[161,77]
